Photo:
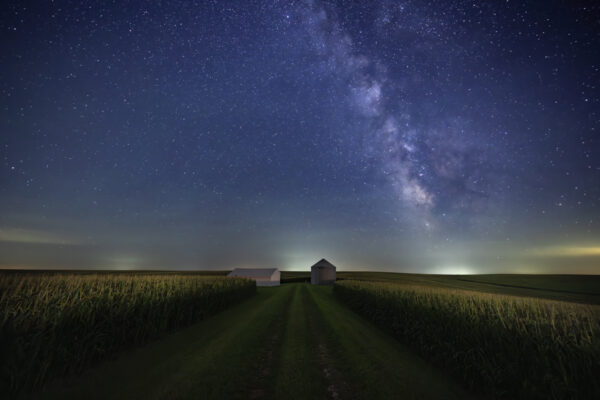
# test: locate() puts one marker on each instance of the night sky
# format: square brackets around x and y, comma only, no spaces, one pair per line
[411,136]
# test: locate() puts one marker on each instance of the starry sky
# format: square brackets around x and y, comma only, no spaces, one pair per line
[440,136]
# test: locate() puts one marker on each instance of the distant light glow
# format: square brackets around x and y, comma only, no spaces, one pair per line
[459,269]
[301,261]
[125,262]
[566,251]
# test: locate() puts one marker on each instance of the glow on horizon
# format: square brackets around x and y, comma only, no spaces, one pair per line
[458,269]
[566,251]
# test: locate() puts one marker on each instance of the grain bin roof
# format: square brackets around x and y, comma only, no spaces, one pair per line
[253,272]
[323,263]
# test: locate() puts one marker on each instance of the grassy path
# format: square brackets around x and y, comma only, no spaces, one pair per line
[295,342]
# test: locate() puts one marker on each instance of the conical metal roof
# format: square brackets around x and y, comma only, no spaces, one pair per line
[323,263]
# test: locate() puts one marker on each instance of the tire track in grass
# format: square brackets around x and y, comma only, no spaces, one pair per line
[264,367]
[299,375]
[337,384]
[257,384]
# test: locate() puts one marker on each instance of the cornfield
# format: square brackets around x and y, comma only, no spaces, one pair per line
[503,346]
[56,325]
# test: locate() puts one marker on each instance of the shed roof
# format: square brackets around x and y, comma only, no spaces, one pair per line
[253,272]
[323,263]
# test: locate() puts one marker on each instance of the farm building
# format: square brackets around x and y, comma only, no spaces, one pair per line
[262,276]
[322,273]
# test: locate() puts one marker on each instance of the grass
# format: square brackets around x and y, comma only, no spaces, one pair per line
[504,346]
[53,325]
[298,364]
[294,341]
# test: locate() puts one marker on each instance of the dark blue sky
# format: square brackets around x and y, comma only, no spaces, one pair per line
[440,136]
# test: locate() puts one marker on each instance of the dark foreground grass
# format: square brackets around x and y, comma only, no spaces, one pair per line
[507,347]
[294,342]
[53,325]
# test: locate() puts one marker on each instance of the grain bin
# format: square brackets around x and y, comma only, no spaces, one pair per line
[322,273]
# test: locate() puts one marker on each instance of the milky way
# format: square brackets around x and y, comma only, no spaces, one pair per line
[441,136]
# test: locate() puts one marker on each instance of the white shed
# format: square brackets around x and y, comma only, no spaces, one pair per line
[322,273]
[262,276]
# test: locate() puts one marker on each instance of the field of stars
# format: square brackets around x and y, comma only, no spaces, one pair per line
[440,136]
